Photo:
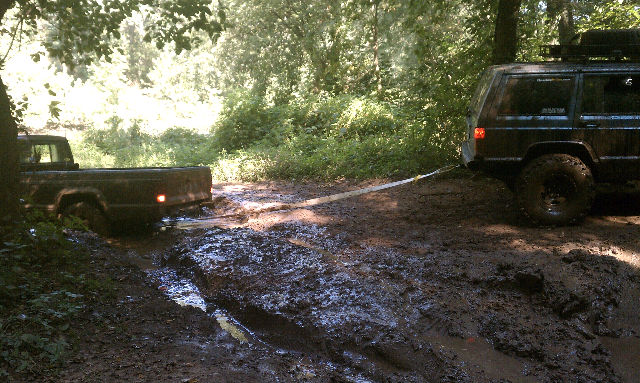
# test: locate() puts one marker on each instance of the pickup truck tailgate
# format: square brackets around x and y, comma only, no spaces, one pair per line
[186,185]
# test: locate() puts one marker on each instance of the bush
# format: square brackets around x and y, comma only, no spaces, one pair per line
[185,147]
[341,137]
[244,119]
[317,137]
[124,147]
[42,289]
[131,147]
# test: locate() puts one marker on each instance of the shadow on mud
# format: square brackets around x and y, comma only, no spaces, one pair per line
[617,201]
[413,288]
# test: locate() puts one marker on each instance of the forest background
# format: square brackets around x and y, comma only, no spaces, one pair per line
[292,89]
[318,89]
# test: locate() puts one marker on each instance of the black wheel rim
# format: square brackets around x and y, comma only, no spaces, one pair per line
[557,191]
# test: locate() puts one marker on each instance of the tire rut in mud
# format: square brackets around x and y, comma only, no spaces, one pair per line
[299,299]
[457,312]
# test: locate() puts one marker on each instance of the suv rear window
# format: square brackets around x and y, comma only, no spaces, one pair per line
[611,94]
[536,96]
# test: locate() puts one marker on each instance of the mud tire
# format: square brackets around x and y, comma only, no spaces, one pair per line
[91,216]
[556,190]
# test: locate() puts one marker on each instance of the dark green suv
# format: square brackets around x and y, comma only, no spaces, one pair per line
[551,130]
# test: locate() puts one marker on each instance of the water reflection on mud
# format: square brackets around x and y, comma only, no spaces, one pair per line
[379,313]
[232,326]
[427,301]
[181,290]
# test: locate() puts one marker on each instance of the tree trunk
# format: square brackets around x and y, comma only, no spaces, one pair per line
[566,26]
[506,32]
[376,50]
[9,160]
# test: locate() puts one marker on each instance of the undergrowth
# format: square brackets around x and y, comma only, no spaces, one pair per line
[314,138]
[43,287]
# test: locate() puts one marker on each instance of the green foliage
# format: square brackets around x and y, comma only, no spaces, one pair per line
[609,14]
[81,31]
[247,119]
[42,289]
[330,138]
[309,104]
[244,120]
[127,147]
[174,22]
[186,147]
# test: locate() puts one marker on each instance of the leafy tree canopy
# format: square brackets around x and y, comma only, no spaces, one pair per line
[80,32]
[83,30]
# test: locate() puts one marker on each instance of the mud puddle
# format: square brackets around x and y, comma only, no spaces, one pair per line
[179,289]
[301,297]
[435,284]
[182,291]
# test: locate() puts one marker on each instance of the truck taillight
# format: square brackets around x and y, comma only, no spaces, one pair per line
[478,133]
[161,198]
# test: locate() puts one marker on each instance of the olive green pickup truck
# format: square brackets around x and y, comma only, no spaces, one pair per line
[103,198]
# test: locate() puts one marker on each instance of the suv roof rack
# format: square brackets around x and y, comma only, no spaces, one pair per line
[609,43]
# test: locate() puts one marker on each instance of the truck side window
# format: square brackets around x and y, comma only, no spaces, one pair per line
[537,96]
[611,94]
[41,153]
[58,154]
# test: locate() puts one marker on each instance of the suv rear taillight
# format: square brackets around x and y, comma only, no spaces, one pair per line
[478,133]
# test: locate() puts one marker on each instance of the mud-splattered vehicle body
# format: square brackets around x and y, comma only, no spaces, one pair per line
[52,182]
[551,130]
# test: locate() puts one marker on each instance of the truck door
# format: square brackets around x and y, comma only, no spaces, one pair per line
[609,122]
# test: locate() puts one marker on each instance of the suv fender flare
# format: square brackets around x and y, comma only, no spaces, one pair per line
[578,149]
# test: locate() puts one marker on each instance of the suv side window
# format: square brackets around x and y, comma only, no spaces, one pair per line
[611,94]
[537,96]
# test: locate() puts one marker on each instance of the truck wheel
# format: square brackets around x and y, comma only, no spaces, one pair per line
[91,216]
[555,189]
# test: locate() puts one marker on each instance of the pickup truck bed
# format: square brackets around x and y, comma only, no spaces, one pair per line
[122,194]
[54,184]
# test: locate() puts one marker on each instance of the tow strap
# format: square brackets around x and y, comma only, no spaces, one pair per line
[336,197]
[274,207]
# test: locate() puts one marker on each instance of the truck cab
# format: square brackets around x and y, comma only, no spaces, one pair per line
[44,152]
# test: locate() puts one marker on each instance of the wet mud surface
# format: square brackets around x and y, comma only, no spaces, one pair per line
[438,281]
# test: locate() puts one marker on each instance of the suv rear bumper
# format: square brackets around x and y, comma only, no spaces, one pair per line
[501,169]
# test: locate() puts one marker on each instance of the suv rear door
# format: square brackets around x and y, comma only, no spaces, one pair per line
[609,122]
[533,108]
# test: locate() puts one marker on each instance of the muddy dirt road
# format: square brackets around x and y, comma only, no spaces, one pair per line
[439,281]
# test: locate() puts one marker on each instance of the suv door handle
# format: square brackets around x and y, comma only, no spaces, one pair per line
[584,124]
